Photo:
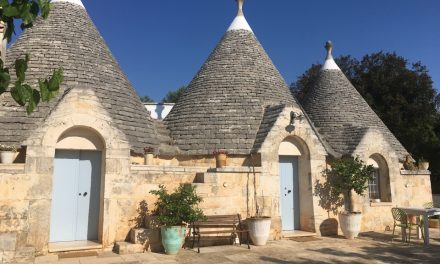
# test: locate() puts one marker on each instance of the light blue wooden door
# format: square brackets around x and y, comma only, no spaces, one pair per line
[289,192]
[75,196]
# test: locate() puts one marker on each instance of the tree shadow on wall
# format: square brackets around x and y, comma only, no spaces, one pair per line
[142,212]
[330,201]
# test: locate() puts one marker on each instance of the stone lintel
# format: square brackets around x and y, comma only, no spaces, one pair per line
[12,168]
[415,172]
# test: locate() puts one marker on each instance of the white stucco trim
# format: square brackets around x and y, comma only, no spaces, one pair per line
[76,2]
[330,64]
[240,23]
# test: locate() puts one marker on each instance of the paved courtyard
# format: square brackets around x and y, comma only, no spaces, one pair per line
[369,248]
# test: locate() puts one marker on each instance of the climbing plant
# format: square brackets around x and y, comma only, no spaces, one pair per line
[27,12]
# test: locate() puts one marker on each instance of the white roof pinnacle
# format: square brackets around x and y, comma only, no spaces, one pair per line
[240,22]
[330,63]
[77,2]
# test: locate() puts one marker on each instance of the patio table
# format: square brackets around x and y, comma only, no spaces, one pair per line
[425,212]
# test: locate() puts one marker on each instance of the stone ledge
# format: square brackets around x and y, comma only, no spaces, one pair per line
[415,172]
[236,169]
[381,204]
[12,168]
[167,168]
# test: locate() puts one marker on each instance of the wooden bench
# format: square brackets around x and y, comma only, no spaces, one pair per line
[225,224]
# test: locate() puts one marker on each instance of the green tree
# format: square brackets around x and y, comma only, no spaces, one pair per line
[146,99]
[347,175]
[401,94]
[173,96]
[27,12]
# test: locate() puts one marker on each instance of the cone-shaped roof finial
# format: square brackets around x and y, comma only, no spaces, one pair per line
[240,7]
[330,63]
[240,22]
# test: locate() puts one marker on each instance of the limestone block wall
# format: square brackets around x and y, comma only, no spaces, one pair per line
[407,188]
[312,163]
[16,209]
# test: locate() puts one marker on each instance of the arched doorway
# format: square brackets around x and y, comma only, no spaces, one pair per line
[289,171]
[76,188]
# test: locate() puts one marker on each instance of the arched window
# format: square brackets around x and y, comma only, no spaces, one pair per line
[374,183]
[379,186]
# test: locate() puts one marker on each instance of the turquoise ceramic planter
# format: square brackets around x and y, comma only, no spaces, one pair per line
[172,238]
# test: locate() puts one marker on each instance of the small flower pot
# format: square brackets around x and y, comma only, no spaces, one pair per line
[434,223]
[7,157]
[423,165]
[350,224]
[221,160]
[148,159]
[259,229]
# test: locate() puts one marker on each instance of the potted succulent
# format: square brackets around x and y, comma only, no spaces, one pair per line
[348,175]
[7,154]
[423,164]
[220,158]
[148,155]
[175,211]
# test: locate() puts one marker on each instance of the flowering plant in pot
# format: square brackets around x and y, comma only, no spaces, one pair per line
[221,157]
[349,175]
[7,154]
[148,155]
[175,211]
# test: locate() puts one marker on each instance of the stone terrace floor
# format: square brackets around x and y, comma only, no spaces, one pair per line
[369,248]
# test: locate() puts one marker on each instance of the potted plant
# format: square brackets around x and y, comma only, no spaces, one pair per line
[175,211]
[259,228]
[348,175]
[148,155]
[7,154]
[220,158]
[423,164]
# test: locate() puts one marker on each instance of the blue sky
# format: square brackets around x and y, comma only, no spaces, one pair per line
[162,44]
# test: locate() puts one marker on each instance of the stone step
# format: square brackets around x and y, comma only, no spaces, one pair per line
[297,233]
[123,248]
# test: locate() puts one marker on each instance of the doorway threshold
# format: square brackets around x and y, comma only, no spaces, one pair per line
[297,233]
[73,246]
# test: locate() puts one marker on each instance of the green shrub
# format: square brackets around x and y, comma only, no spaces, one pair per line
[179,207]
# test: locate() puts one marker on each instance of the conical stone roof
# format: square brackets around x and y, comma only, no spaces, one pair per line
[340,113]
[223,105]
[69,39]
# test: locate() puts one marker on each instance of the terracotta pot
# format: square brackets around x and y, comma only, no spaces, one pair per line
[221,160]
[7,157]
[148,158]
[350,224]
[434,223]
[412,219]
[423,165]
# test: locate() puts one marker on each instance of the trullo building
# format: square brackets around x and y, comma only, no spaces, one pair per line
[77,176]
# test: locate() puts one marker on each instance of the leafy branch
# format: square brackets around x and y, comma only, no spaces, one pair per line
[27,11]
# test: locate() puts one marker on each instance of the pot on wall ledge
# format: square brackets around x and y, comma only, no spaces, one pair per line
[259,229]
[7,157]
[423,165]
[221,158]
[350,223]
[148,158]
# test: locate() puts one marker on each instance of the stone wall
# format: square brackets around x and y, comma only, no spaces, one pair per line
[16,210]
[312,163]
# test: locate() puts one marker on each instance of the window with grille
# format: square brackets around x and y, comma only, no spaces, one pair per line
[373,185]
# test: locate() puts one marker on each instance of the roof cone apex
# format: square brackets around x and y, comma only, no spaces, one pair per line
[330,63]
[76,2]
[240,22]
